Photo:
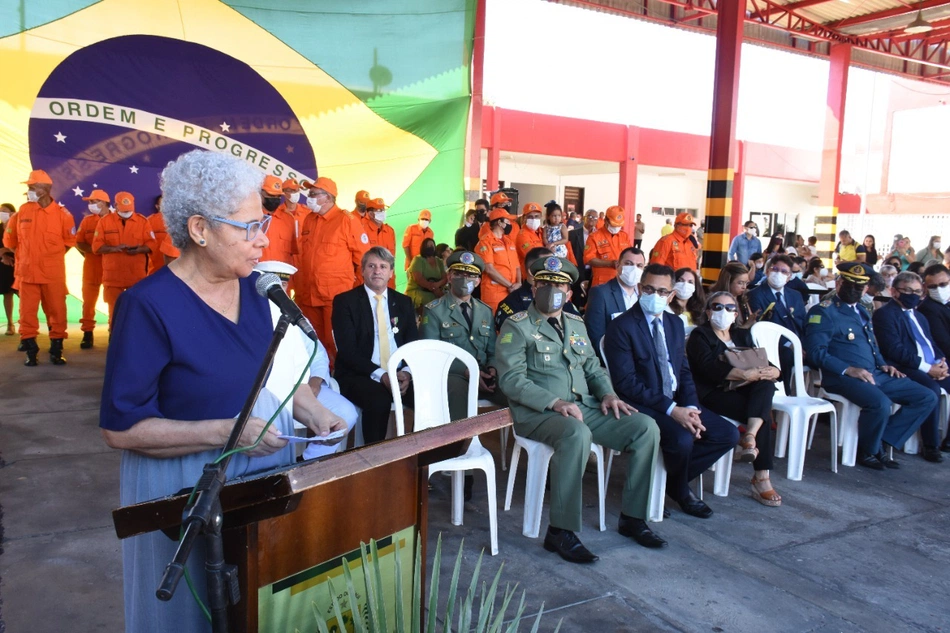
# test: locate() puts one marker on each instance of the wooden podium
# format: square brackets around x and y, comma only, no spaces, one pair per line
[284,529]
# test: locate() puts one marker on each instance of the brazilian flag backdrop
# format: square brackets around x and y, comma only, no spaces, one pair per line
[374,95]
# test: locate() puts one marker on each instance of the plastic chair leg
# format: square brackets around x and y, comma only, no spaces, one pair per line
[781,439]
[458,496]
[601,485]
[504,447]
[492,511]
[657,491]
[534,492]
[512,474]
[723,475]
[834,441]
[797,438]
[849,436]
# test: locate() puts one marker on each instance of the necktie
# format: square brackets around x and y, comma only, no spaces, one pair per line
[921,340]
[383,328]
[779,303]
[467,313]
[556,324]
[663,357]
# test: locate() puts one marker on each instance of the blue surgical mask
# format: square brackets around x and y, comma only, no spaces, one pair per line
[653,304]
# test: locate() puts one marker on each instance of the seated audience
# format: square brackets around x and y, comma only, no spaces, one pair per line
[426,275]
[611,299]
[520,298]
[688,299]
[734,279]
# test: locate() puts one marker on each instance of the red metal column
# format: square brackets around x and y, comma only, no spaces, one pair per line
[722,153]
[473,185]
[628,176]
[738,189]
[828,197]
[494,151]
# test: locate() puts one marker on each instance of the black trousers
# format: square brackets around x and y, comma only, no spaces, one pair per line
[375,401]
[751,401]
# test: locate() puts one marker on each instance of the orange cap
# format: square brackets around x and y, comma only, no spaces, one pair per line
[685,218]
[376,204]
[531,207]
[38,177]
[98,195]
[322,183]
[499,198]
[614,216]
[271,185]
[362,197]
[498,214]
[124,201]
[425,215]
[290,185]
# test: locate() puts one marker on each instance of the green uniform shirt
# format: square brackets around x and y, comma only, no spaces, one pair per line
[442,320]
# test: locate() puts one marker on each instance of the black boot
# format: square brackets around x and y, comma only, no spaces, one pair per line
[32,349]
[56,351]
[86,340]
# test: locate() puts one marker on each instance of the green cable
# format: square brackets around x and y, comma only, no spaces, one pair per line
[234,451]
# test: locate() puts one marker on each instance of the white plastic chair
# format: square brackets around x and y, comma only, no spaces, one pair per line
[430,361]
[796,412]
[814,299]
[847,413]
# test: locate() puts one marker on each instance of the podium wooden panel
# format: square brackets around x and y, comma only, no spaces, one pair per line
[282,522]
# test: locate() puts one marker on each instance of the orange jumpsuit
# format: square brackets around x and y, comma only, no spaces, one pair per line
[485,231]
[156,222]
[527,240]
[91,273]
[381,235]
[40,237]
[502,254]
[282,234]
[601,244]
[120,271]
[675,250]
[331,250]
[413,238]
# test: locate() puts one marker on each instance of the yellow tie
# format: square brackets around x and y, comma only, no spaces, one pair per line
[383,328]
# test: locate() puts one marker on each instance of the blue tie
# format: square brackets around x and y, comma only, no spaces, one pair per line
[663,357]
[921,340]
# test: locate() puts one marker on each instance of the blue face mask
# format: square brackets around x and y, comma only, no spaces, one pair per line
[909,300]
[653,304]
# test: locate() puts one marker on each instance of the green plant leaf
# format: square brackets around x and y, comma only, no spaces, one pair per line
[453,588]
[358,624]
[377,584]
[400,622]
[337,610]
[434,588]
[500,617]
[465,613]
[416,615]
[321,625]
[537,620]
[516,621]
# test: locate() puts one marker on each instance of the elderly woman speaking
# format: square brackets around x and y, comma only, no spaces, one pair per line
[186,344]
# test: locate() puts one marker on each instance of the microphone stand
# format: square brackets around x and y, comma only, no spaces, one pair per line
[205,516]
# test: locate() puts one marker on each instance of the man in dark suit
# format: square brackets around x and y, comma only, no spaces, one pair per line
[773,302]
[519,300]
[578,240]
[936,307]
[608,301]
[909,346]
[646,356]
[370,322]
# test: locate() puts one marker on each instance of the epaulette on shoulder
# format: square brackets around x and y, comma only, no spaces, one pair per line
[826,303]
[571,315]
[432,304]
[521,316]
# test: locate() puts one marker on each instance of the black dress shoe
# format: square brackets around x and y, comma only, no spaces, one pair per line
[638,530]
[889,462]
[694,506]
[86,341]
[568,547]
[870,461]
[945,447]
[932,455]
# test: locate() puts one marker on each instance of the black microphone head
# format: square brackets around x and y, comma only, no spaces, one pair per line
[265,282]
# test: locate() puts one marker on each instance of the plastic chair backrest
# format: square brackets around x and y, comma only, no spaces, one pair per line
[604,358]
[813,299]
[430,361]
[769,335]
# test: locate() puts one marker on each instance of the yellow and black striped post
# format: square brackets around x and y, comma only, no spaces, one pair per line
[718,213]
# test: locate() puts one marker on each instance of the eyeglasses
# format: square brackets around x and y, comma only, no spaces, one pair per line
[649,290]
[935,286]
[719,307]
[909,291]
[253,229]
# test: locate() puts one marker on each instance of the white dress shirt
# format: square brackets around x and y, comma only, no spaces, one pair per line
[378,374]
[669,366]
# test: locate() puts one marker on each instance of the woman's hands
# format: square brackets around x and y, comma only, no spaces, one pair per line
[270,443]
[761,373]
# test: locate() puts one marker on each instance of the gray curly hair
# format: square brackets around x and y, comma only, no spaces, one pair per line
[207,184]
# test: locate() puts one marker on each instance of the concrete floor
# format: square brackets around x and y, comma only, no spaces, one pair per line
[857,551]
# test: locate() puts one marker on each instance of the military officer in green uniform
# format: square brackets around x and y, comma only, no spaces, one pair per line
[561,396]
[462,320]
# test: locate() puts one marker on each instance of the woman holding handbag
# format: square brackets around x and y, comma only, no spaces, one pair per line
[737,382]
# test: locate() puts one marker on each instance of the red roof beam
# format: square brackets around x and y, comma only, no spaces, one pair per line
[791,6]
[890,13]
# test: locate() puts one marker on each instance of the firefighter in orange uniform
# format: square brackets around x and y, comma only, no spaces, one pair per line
[677,250]
[359,211]
[414,236]
[124,240]
[501,201]
[156,222]
[39,234]
[378,232]
[331,246]
[604,247]
[282,233]
[502,273]
[530,234]
[91,264]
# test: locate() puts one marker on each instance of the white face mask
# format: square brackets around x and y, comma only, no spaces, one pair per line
[93,208]
[759,265]
[4,216]
[293,197]
[798,275]
[312,204]
[424,224]
[32,196]
[613,230]
[533,223]
[777,280]
[940,295]
[683,289]
[722,320]
[125,215]
[630,275]
[823,272]
[752,231]
[937,245]
[380,217]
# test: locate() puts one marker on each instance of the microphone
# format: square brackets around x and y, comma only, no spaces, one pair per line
[269,285]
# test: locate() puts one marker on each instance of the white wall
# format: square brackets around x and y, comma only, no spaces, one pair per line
[766,195]
[600,190]
[653,190]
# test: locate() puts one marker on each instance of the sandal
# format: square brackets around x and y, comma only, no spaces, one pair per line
[767,497]
[747,451]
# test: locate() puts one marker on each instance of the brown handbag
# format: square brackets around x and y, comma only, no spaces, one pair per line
[744,358]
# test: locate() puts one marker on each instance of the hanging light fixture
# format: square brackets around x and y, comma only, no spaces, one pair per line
[919,25]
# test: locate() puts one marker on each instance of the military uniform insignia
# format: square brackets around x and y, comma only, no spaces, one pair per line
[467,258]
[552,264]
[433,303]
[536,336]
[505,338]
[521,316]
[826,303]
[570,315]
[814,318]
[850,335]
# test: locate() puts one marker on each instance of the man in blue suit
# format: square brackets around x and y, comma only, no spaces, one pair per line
[773,302]
[608,301]
[936,307]
[646,354]
[909,346]
[839,340]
